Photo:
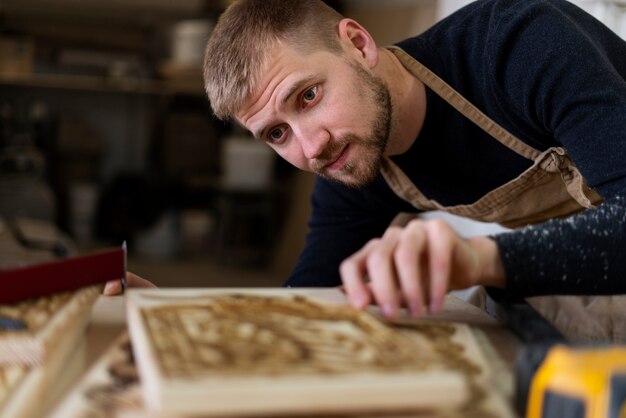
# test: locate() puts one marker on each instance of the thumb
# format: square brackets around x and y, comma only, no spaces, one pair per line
[114,287]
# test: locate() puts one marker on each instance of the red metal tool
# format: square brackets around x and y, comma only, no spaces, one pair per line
[17,284]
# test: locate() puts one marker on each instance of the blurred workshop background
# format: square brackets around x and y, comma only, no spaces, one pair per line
[106,136]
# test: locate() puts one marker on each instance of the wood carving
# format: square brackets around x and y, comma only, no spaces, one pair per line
[35,313]
[35,359]
[46,321]
[252,352]
[245,335]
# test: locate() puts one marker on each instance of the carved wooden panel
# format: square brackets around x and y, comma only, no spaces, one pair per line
[39,358]
[251,352]
[45,320]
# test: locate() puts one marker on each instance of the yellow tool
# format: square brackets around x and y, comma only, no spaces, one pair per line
[583,382]
[559,380]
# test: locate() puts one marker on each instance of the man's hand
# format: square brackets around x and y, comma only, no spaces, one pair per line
[415,266]
[114,287]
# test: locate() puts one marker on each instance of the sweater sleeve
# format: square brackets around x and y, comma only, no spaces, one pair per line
[564,73]
[584,254]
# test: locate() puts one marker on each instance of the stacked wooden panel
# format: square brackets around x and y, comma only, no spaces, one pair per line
[38,360]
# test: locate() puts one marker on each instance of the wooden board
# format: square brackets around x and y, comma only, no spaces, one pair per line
[280,351]
[54,348]
[49,321]
[33,391]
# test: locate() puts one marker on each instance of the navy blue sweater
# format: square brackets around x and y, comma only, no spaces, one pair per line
[551,75]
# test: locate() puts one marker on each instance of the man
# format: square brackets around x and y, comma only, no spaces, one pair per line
[506,111]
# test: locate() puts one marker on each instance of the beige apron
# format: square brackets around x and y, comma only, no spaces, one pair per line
[551,188]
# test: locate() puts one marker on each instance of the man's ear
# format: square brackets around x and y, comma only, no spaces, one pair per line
[356,40]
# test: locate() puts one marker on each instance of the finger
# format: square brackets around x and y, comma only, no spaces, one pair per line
[353,275]
[133,280]
[382,274]
[440,242]
[112,288]
[407,258]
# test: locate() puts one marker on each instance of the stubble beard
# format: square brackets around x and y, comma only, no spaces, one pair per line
[360,172]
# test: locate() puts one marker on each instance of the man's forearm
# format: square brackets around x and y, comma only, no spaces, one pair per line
[584,254]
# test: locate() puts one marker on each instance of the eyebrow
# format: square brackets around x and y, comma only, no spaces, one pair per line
[297,86]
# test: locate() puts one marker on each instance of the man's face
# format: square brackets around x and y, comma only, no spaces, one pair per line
[322,113]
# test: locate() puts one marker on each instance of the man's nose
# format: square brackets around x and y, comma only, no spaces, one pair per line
[313,140]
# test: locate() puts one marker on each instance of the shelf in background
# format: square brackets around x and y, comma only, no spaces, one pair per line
[132,85]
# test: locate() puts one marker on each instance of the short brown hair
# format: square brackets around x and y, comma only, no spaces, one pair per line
[244,35]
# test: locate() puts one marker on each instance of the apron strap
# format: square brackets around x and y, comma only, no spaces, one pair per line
[456,100]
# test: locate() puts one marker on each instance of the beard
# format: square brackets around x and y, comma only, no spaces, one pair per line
[363,170]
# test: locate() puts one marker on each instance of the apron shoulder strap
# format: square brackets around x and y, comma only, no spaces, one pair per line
[460,103]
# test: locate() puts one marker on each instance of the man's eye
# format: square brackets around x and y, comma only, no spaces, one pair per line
[309,95]
[275,134]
